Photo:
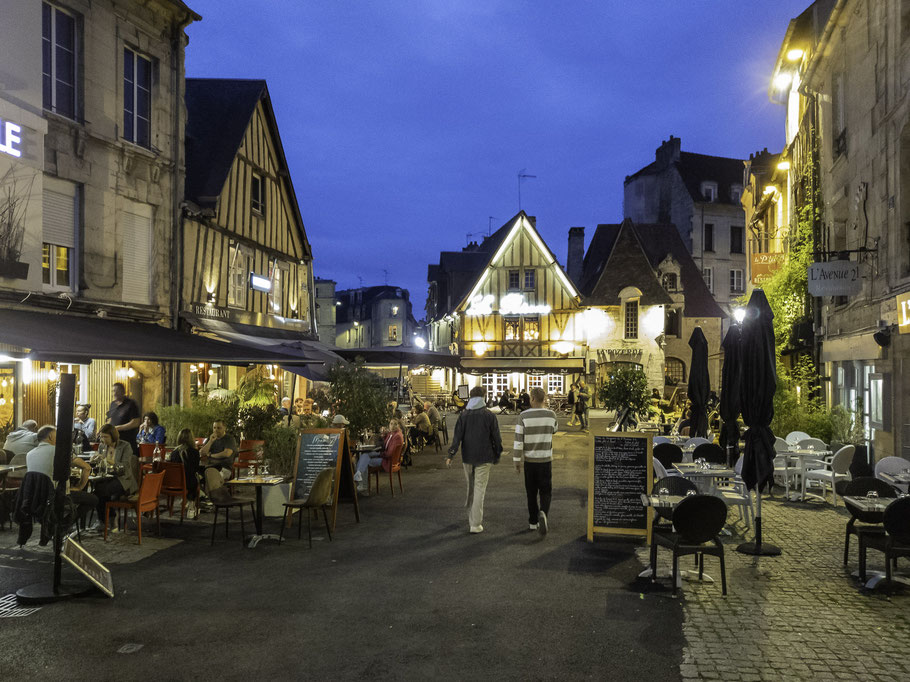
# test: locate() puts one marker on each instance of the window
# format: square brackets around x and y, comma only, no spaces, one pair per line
[736,281]
[137,98]
[514,279]
[556,383]
[58,61]
[394,311]
[669,281]
[393,332]
[631,320]
[55,265]
[709,236]
[137,258]
[709,191]
[237,275]
[736,193]
[513,326]
[530,329]
[59,202]
[838,116]
[530,279]
[494,385]
[257,194]
[736,239]
[535,381]
[276,295]
[708,274]
[671,322]
[674,371]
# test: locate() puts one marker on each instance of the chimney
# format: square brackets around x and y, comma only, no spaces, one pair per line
[576,255]
[668,152]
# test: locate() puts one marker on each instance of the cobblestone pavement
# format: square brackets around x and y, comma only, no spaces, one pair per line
[799,616]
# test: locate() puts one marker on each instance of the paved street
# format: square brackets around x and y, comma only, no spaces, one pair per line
[409,594]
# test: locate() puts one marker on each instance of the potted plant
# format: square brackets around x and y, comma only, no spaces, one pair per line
[361,396]
[626,386]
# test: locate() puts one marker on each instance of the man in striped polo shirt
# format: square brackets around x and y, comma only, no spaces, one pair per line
[534,442]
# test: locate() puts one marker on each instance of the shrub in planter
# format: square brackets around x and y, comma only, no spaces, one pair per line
[197,417]
[361,396]
[280,448]
[255,420]
[626,387]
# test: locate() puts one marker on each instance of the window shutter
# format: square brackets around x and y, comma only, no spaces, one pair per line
[59,221]
[137,240]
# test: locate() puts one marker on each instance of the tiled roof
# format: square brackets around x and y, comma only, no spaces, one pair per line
[695,169]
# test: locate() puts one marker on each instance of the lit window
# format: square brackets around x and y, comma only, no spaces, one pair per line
[393,332]
[276,294]
[631,319]
[394,311]
[58,61]
[708,274]
[736,281]
[530,279]
[55,265]
[535,381]
[556,383]
[531,329]
[669,281]
[257,194]
[513,325]
[137,98]
[674,371]
[514,279]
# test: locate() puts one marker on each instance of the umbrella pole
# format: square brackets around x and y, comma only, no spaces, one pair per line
[758,548]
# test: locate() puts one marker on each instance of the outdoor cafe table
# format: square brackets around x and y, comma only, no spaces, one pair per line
[8,468]
[870,505]
[900,479]
[702,477]
[258,482]
[669,502]
[804,457]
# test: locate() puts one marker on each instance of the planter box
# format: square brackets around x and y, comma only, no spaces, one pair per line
[13,269]
[274,497]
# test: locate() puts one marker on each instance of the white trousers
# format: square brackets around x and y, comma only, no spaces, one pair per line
[477,476]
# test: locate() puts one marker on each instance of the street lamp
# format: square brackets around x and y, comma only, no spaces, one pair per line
[420,342]
[739,314]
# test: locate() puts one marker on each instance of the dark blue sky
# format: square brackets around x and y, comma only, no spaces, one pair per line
[405,122]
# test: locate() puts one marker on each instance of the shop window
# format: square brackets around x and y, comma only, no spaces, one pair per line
[671,322]
[494,384]
[58,60]
[531,329]
[535,381]
[530,279]
[556,383]
[736,239]
[709,236]
[514,279]
[513,328]
[257,194]
[630,321]
[137,98]
[674,371]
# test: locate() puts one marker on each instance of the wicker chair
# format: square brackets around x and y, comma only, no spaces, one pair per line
[858,488]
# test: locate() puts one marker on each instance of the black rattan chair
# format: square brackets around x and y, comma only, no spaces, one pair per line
[894,542]
[674,485]
[859,487]
[221,498]
[697,521]
[711,453]
[668,454]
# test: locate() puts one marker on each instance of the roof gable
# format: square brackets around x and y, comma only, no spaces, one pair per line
[626,265]
[694,169]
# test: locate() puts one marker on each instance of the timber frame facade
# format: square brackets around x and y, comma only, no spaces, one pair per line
[246,258]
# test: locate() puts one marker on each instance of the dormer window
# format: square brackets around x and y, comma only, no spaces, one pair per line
[709,191]
[736,193]
[669,282]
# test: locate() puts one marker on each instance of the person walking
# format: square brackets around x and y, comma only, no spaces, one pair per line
[477,433]
[534,444]
[581,405]
[573,418]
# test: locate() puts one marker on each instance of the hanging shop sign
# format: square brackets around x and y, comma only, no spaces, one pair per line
[903,313]
[10,138]
[764,265]
[260,283]
[510,304]
[836,278]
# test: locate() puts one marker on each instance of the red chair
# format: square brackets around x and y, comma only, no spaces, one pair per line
[247,455]
[146,452]
[392,464]
[173,486]
[146,501]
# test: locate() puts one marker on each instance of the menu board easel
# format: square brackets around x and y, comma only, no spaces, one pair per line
[88,566]
[319,449]
[620,471]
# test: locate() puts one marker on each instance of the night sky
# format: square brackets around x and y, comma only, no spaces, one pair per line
[406,123]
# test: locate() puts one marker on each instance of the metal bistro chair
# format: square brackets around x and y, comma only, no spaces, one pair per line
[872,521]
[320,497]
[895,542]
[394,466]
[174,486]
[145,501]
[697,520]
[221,498]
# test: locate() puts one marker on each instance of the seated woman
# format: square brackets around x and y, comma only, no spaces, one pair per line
[392,440]
[422,428]
[505,402]
[118,455]
[151,431]
[187,454]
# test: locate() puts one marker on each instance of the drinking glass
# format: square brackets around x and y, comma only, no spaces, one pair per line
[690,492]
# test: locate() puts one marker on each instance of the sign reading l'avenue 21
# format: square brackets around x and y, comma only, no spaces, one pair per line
[836,278]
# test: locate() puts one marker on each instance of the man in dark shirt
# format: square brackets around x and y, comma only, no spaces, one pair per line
[220,449]
[123,414]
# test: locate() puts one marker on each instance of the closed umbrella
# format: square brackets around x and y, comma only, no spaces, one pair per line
[730,386]
[699,384]
[759,383]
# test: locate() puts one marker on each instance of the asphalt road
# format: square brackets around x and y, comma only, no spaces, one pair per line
[407,593]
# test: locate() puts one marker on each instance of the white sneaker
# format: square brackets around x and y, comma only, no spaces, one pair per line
[542,525]
[532,526]
[477,529]
[358,476]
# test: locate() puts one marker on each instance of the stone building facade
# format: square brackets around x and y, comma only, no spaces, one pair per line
[325,310]
[374,317]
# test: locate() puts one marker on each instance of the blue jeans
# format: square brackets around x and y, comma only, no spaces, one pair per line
[367,460]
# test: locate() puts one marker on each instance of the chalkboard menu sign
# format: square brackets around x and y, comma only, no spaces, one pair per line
[88,566]
[319,449]
[619,473]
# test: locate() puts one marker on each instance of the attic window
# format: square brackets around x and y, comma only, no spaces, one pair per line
[257,194]
[669,281]
[709,191]
[736,193]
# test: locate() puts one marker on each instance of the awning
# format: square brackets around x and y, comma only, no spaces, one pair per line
[79,340]
[400,355]
[547,365]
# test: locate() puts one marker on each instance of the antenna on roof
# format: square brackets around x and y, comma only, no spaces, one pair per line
[521,175]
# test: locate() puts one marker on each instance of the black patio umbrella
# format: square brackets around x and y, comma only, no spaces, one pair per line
[759,383]
[730,387]
[699,384]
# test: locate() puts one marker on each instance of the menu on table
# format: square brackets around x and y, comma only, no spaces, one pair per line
[620,472]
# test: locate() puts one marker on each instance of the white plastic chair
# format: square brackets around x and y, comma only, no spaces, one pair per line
[785,473]
[661,439]
[794,437]
[659,471]
[892,465]
[837,470]
[811,444]
[735,493]
[780,445]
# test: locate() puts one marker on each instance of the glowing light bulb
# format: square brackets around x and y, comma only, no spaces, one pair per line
[52,375]
[131,372]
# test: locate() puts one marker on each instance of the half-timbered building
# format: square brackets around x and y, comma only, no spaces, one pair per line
[508,309]
[246,262]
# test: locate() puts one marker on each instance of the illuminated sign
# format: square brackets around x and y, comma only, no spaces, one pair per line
[764,265]
[903,313]
[10,138]
[510,304]
[260,283]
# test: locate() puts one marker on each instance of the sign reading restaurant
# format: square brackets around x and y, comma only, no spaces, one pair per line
[835,278]
[764,265]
